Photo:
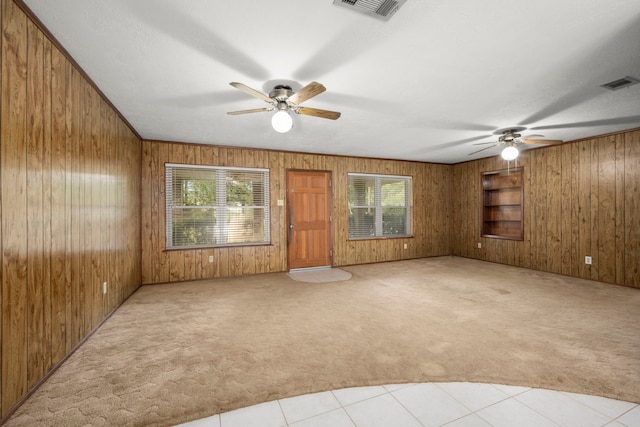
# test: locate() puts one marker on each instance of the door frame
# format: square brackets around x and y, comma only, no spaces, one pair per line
[329,208]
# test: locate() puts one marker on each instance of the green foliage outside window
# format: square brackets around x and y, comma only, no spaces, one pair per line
[378,206]
[210,207]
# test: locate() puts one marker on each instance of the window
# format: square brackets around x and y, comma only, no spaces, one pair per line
[216,206]
[379,206]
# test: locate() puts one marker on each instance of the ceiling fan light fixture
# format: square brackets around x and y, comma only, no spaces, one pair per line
[282,121]
[284,100]
[510,153]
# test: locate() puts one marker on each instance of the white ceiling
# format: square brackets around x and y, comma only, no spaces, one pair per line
[438,77]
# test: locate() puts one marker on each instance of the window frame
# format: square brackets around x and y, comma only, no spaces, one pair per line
[378,206]
[220,178]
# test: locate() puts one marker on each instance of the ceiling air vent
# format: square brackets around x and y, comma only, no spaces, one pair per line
[620,83]
[381,9]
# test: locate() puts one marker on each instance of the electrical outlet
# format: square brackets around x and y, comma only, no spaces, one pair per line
[406,246]
[587,260]
[479,245]
[104,288]
[210,258]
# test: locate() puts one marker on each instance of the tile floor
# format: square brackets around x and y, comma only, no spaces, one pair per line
[433,404]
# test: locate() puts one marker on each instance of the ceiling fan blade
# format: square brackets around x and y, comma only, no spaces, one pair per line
[331,115]
[482,149]
[254,110]
[484,143]
[542,141]
[252,91]
[307,92]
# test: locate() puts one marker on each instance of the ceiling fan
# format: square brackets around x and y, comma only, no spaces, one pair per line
[510,138]
[283,99]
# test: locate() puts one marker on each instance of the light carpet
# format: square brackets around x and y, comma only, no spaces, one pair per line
[178,352]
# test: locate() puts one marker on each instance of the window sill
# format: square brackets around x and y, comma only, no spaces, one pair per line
[359,239]
[197,248]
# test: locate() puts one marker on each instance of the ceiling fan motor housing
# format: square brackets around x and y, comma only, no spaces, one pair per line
[281,92]
[509,136]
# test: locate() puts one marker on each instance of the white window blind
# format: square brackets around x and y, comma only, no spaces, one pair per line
[216,206]
[379,206]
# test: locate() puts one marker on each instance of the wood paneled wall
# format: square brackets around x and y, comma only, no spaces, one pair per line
[431,210]
[69,207]
[581,199]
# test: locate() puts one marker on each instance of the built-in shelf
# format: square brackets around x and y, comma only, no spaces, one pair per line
[502,204]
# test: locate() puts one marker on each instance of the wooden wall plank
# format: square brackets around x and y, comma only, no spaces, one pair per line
[632,210]
[154,237]
[537,191]
[249,261]
[110,300]
[575,210]
[47,217]
[584,207]
[176,258]
[593,207]
[76,228]
[1,240]
[146,220]
[13,158]
[68,206]
[456,209]
[58,208]
[161,269]
[131,198]
[96,184]
[86,159]
[604,256]
[620,208]
[176,266]
[527,162]
[553,254]
[35,208]
[566,208]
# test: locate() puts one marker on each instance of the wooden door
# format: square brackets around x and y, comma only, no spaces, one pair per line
[309,219]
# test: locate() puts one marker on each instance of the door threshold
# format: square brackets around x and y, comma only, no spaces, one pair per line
[300,270]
